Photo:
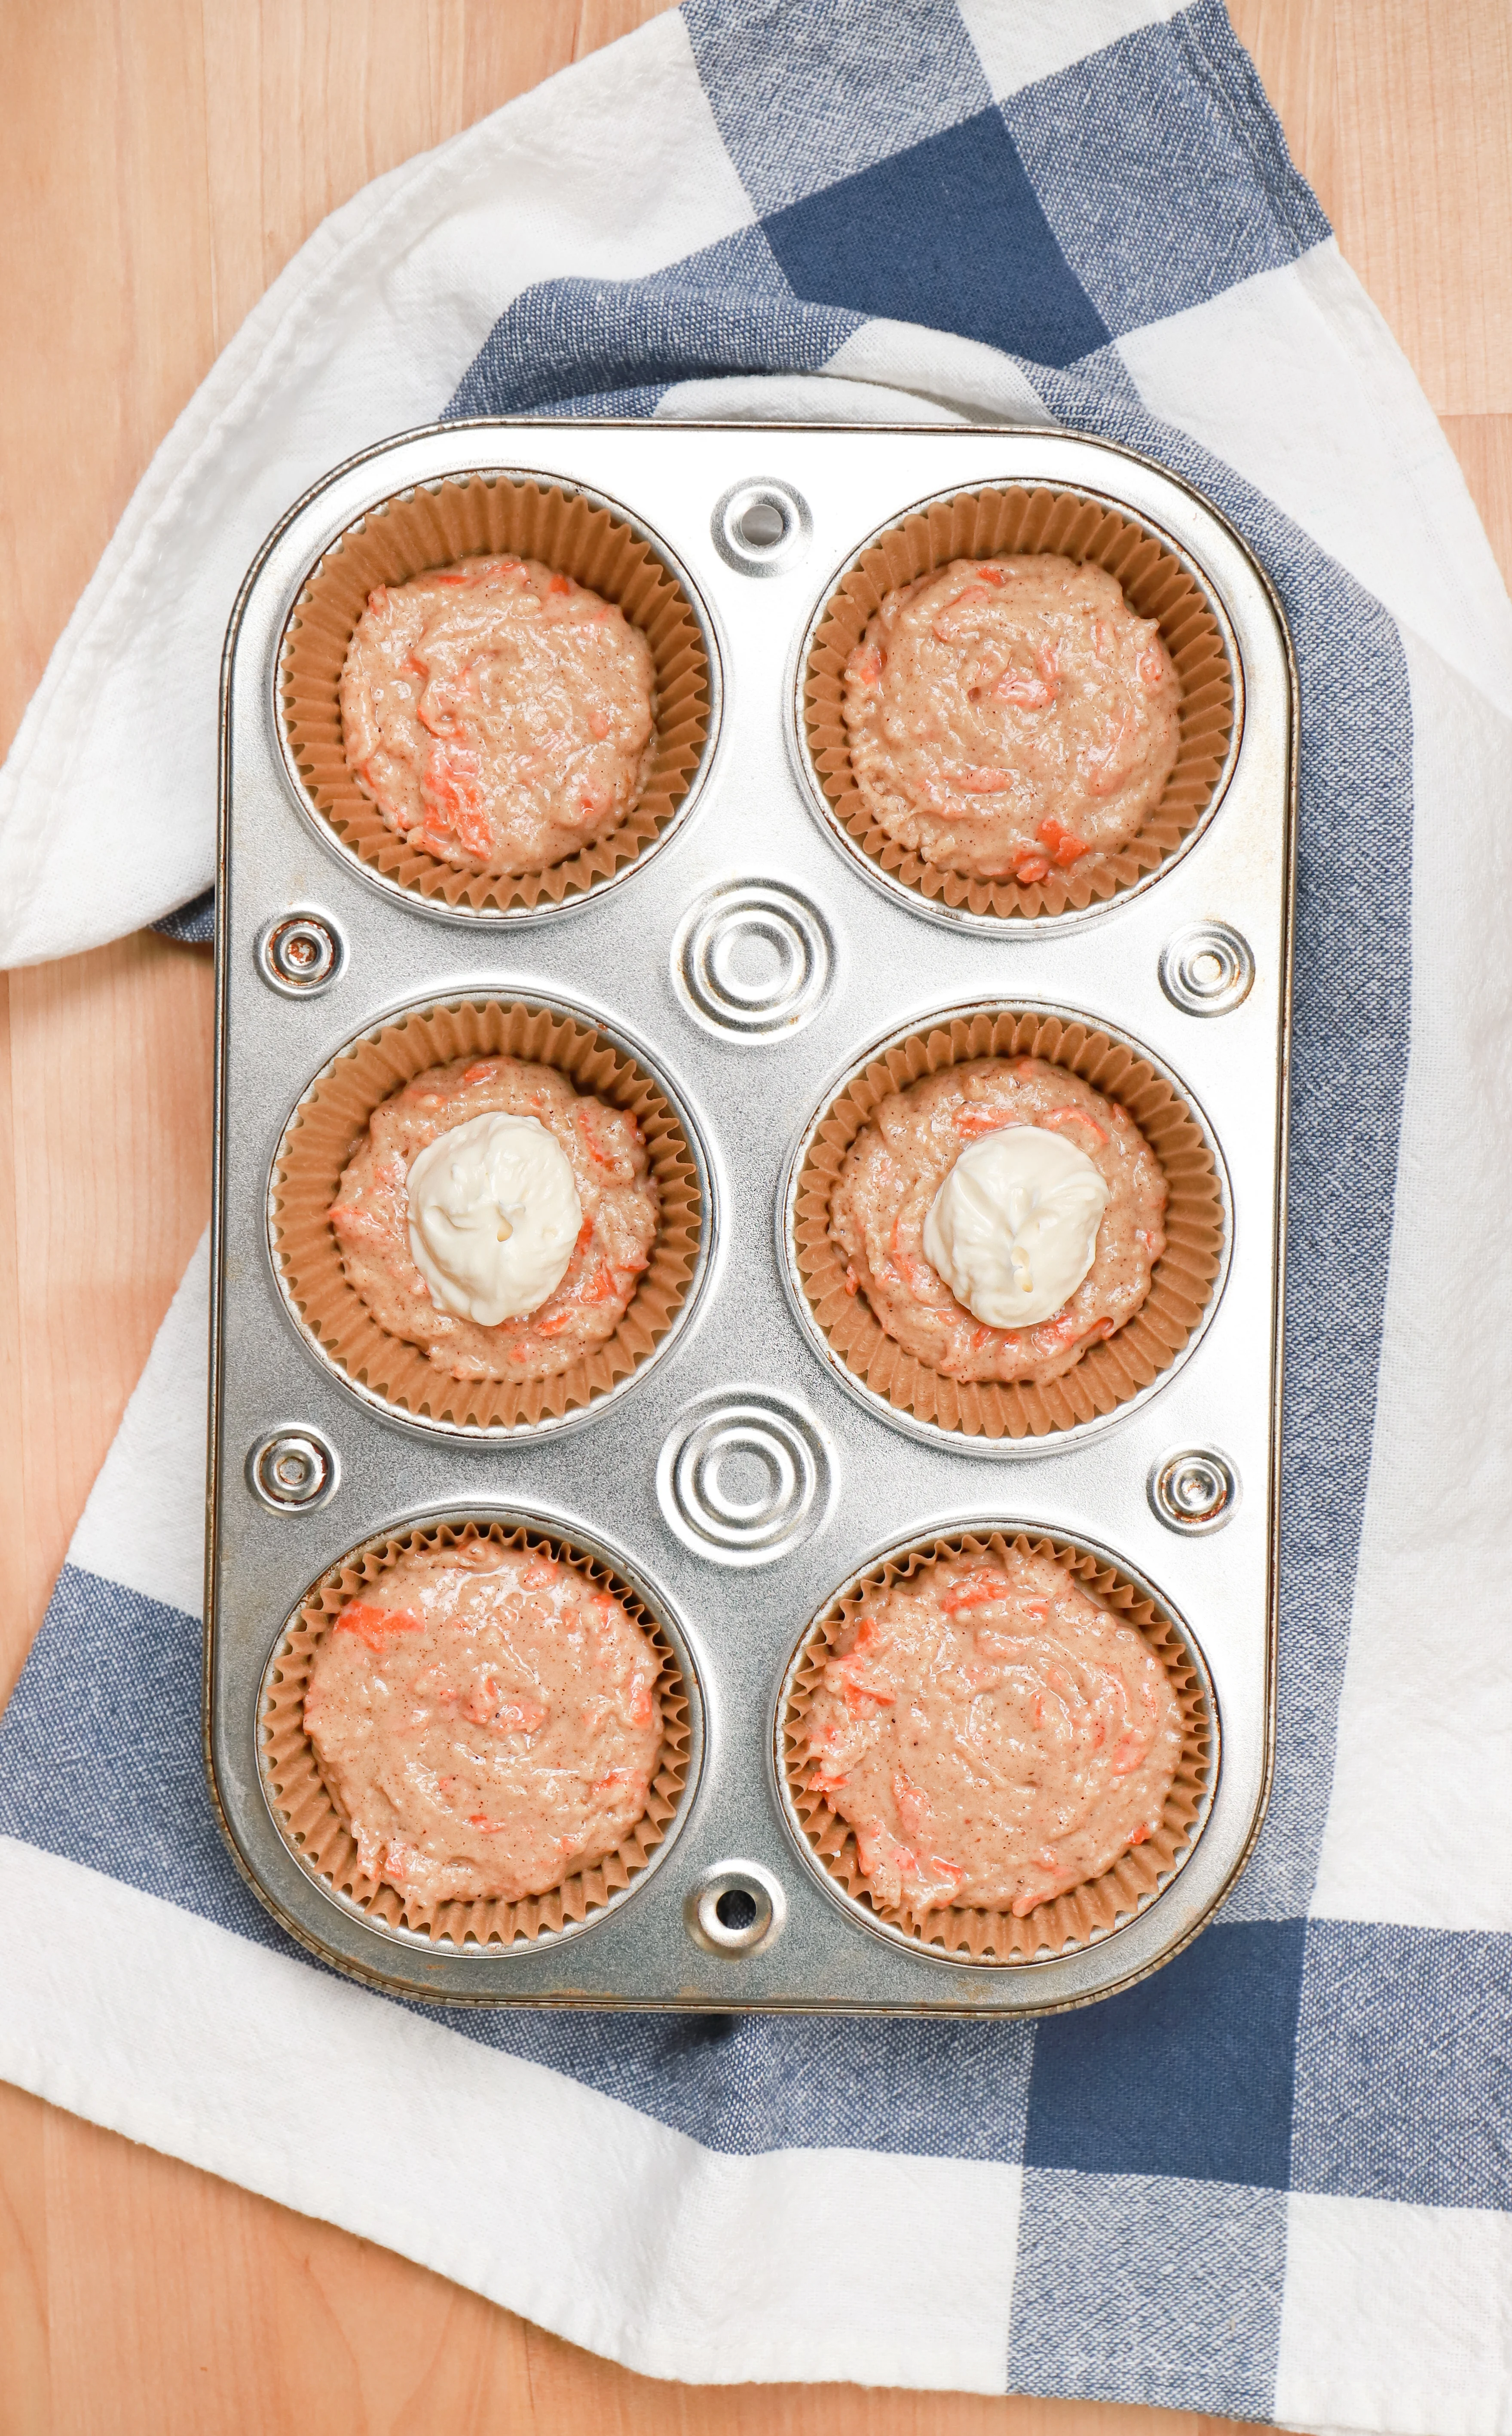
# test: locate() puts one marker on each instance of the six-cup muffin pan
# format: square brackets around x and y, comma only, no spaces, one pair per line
[750,967]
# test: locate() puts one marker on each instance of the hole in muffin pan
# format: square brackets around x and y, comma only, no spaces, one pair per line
[327,1122]
[762,527]
[1089,1913]
[309,1818]
[481,512]
[1113,1377]
[1159,579]
[734,1908]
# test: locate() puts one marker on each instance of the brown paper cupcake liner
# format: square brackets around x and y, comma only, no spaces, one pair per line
[1111,1372]
[1099,1906]
[314,1826]
[1158,584]
[323,1131]
[472,515]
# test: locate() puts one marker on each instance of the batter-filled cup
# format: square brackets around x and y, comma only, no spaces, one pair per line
[475,515]
[1022,520]
[1089,1911]
[311,1820]
[331,1119]
[1110,1373]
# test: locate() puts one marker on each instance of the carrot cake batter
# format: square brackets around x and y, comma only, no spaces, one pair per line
[496,1217]
[993,1734]
[498,714]
[1010,716]
[1001,1217]
[487,1721]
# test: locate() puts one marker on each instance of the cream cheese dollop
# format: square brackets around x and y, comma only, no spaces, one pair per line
[494,1217]
[1013,1230]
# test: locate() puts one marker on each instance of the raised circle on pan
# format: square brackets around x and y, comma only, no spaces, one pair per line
[1194,1492]
[300,954]
[736,1909]
[293,1470]
[752,960]
[762,527]
[651,1608]
[1201,1769]
[745,1477]
[1207,969]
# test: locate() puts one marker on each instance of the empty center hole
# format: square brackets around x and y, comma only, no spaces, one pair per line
[735,1910]
[763,524]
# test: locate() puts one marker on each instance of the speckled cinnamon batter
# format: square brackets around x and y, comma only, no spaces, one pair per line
[370,1217]
[498,714]
[487,1722]
[993,1736]
[1010,716]
[896,1165]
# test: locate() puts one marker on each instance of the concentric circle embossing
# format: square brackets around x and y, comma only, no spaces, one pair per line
[1207,970]
[752,960]
[745,1477]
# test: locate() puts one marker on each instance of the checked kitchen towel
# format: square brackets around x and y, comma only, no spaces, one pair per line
[1276,2180]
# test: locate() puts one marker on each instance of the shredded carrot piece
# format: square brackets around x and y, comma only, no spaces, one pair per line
[378,1626]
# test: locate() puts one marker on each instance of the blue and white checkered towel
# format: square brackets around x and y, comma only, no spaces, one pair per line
[1276,2178]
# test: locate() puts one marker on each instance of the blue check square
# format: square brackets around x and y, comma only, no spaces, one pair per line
[950,233]
[1192,2073]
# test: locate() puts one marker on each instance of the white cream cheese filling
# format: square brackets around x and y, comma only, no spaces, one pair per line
[494,1217]
[1013,1230]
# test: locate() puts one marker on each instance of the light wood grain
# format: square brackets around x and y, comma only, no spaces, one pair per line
[190,2306]
[109,1099]
[1400,115]
[1397,112]
[163,158]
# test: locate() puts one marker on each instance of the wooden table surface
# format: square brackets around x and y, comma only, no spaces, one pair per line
[163,159]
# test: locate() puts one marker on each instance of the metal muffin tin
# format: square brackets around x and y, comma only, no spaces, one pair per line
[755,959]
